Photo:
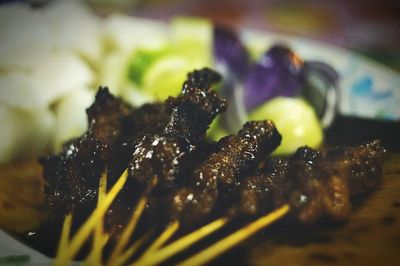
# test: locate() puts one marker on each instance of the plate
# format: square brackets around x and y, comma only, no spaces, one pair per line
[13,252]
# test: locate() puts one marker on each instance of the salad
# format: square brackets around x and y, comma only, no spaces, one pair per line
[44,93]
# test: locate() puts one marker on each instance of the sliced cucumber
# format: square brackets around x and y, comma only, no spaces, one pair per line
[140,62]
[160,70]
[295,120]
[165,77]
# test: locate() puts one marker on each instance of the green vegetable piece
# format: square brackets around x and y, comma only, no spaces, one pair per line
[165,77]
[295,120]
[140,61]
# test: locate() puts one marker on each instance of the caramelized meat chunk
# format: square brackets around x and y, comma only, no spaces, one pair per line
[326,183]
[164,154]
[316,185]
[235,154]
[317,193]
[265,190]
[72,177]
[362,165]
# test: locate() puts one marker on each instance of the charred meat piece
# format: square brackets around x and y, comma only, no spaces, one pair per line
[263,191]
[146,120]
[361,164]
[191,206]
[149,119]
[235,155]
[163,155]
[317,193]
[72,177]
[316,185]
[326,183]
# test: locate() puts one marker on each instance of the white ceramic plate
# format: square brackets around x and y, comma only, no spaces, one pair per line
[13,252]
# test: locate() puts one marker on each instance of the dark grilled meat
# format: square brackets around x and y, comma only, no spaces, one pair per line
[361,164]
[235,154]
[315,192]
[164,154]
[326,183]
[72,177]
[316,185]
[263,191]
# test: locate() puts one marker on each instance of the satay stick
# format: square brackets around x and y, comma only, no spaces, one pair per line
[64,240]
[99,238]
[233,239]
[81,236]
[180,244]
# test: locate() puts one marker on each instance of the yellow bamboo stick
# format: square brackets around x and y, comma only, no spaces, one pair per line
[99,238]
[124,257]
[81,236]
[233,239]
[165,235]
[182,243]
[130,227]
[96,253]
[64,240]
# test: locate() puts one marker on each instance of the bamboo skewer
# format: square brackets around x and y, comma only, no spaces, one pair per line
[168,232]
[130,227]
[99,238]
[98,213]
[233,239]
[64,240]
[81,236]
[125,256]
[155,253]
[181,244]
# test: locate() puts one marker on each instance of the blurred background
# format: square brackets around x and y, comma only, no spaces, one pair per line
[369,27]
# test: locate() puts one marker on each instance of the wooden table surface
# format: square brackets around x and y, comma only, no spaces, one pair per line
[370,237]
